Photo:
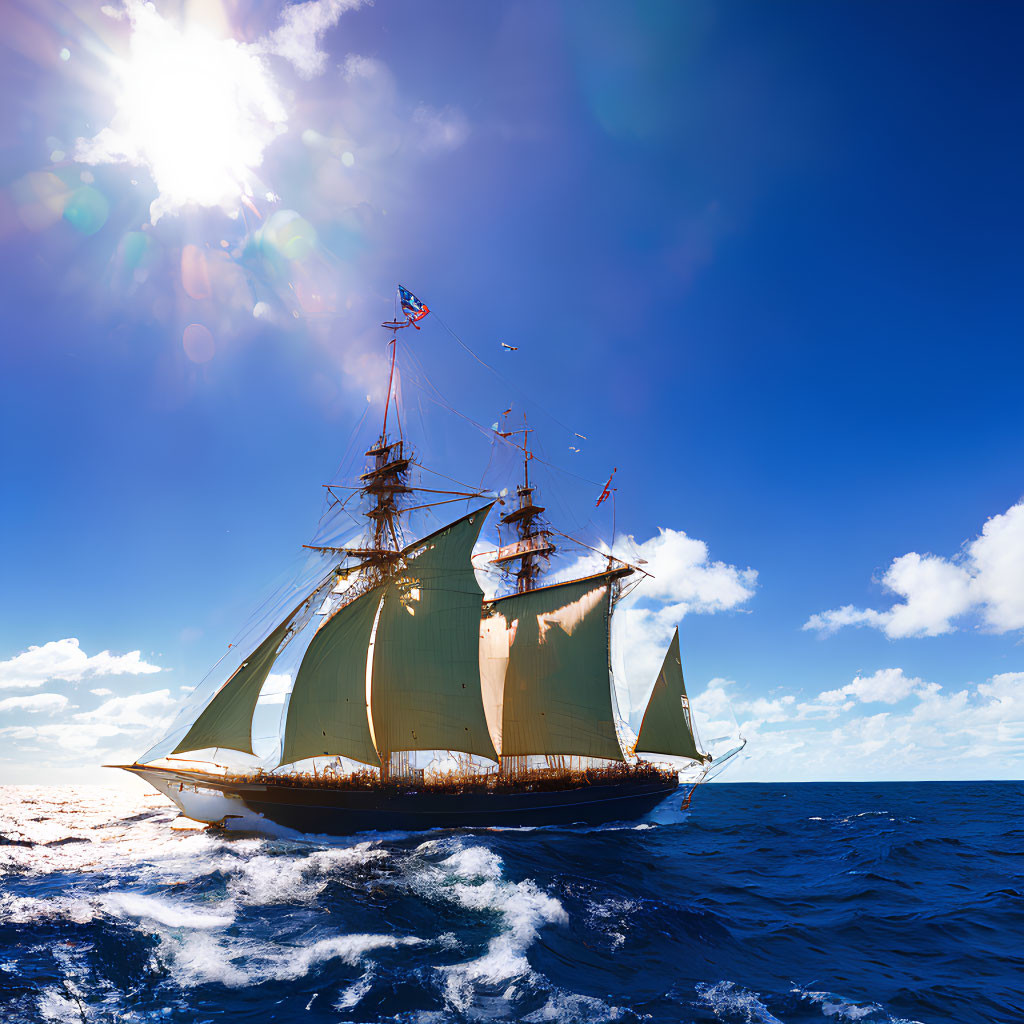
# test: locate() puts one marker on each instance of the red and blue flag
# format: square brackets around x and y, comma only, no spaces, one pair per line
[412,307]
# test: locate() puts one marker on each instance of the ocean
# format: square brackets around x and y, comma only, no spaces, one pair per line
[775,904]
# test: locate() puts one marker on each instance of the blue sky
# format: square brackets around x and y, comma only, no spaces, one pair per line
[765,257]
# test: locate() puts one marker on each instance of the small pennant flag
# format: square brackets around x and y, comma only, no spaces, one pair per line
[607,492]
[412,307]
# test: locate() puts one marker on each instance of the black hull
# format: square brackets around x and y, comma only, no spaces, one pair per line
[327,810]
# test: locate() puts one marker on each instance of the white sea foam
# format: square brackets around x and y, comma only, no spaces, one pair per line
[197,958]
[731,1002]
[172,913]
[472,878]
[287,879]
[489,986]
[29,909]
[355,992]
[55,1005]
[569,1006]
[835,1006]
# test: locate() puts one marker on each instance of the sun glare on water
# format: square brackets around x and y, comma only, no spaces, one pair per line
[198,110]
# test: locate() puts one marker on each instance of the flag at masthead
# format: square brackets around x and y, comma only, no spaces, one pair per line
[413,308]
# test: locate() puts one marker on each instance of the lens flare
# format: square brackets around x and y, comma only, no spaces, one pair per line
[197,110]
[198,343]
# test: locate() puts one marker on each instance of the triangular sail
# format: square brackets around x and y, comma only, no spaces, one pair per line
[666,727]
[327,711]
[425,689]
[227,720]
[557,687]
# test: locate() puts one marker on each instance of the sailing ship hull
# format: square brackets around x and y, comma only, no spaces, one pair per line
[327,810]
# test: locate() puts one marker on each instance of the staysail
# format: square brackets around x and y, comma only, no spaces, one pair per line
[425,688]
[227,720]
[327,711]
[557,684]
[666,728]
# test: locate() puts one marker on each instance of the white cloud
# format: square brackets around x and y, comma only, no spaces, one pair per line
[973,732]
[137,710]
[986,578]
[297,39]
[112,730]
[997,561]
[102,691]
[887,686]
[275,689]
[64,659]
[51,703]
[683,580]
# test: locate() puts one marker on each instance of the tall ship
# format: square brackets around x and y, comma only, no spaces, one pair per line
[416,701]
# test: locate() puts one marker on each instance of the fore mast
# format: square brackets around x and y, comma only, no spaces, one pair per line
[383,484]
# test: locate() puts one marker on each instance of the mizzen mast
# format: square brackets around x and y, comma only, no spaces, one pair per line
[533,546]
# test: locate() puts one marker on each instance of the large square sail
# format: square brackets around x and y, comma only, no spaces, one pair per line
[557,694]
[425,689]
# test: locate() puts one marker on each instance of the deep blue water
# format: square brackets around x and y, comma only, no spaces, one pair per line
[766,903]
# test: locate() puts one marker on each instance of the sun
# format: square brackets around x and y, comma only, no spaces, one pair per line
[196,109]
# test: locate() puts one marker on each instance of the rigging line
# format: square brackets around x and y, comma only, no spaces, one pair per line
[352,440]
[603,554]
[494,435]
[337,502]
[426,490]
[498,374]
[434,504]
[445,475]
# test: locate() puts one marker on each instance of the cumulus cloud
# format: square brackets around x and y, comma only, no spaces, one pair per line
[683,580]
[887,686]
[975,731]
[50,703]
[137,710]
[64,659]
[984,579]
[112,730]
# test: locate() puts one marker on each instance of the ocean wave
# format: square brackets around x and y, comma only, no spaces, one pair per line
[159,910]
[899,906]
[732,1002]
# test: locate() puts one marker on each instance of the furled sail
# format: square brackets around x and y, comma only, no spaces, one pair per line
[327,711]
[227,720]
[557,686]
[666,727]
[425,684]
